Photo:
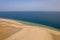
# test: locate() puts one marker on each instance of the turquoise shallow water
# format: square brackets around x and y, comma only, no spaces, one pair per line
[35,24]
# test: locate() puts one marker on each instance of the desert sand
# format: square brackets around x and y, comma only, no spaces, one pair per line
[15,30]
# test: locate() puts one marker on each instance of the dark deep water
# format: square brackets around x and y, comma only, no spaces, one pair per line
[47,18]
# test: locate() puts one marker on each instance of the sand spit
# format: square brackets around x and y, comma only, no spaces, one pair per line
[14,30]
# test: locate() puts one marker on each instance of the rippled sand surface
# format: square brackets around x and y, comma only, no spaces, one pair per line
[14,30]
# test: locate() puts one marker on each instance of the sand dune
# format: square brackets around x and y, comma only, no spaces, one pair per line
[14,30]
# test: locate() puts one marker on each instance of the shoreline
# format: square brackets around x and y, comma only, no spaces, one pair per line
[33,24]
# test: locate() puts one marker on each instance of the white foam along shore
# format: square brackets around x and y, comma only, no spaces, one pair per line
[33,31]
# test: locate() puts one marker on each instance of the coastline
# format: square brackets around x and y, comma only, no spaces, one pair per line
[36,24]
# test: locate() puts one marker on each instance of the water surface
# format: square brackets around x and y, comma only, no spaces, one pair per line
[51,19]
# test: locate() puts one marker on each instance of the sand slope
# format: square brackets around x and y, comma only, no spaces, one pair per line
[27,32]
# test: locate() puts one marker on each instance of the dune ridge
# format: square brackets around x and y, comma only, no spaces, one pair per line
[29,32]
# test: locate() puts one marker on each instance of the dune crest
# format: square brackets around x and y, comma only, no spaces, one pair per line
[16,30]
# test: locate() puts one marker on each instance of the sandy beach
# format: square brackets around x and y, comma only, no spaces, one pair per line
[20,31]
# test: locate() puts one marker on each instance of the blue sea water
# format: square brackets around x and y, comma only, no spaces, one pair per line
[51,19]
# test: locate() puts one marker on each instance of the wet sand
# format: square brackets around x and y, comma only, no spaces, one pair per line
[27,32]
